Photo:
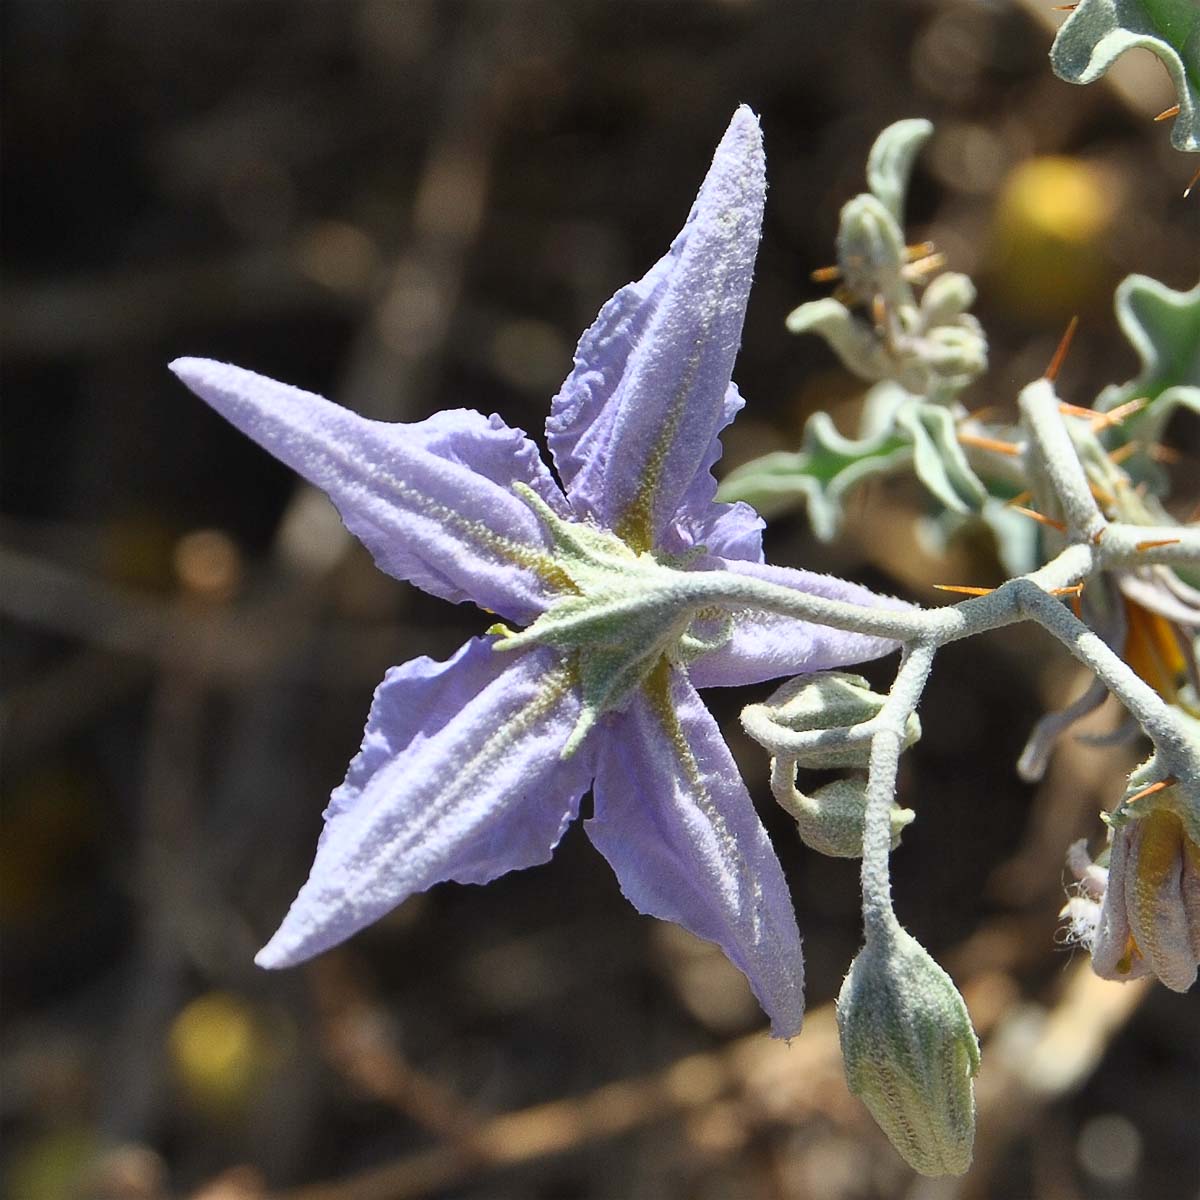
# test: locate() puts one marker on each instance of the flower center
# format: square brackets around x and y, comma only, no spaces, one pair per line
[625,612]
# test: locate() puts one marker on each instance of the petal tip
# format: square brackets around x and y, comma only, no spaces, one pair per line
[273,957]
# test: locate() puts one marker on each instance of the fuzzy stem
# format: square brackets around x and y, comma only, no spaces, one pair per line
[887,741]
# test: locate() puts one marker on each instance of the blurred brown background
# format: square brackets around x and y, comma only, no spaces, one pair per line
[412,205]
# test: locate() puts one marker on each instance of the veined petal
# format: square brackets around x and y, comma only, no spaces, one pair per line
[729,530]
[765,645]
[1114,955]
[459,777]
[432,501]
[634,422]
[1154,897]
[676,823]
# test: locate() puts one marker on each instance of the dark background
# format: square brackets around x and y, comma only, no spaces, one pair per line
[416,205]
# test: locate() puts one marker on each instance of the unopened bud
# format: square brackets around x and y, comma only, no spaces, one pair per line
[830,820]
[870,249]
[812,720]
[946,298]
[910,1052]
[955,351]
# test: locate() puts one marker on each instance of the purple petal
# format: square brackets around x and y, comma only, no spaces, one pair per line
[1113,956]
[765,646]
[728,530]
[676,823]
[459,777]
[432,501]
[635,421]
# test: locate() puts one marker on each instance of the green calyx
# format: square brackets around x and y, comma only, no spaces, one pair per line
[625,612]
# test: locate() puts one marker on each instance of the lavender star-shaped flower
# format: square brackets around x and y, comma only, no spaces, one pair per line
[476,766]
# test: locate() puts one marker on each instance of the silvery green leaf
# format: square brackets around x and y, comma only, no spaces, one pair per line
[1163,326]
[890,163]
[851,339]
[1100,31]
[829,465]
[938,458]
[820,474]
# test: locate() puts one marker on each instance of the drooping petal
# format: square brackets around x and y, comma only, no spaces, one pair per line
[1114,954]
[432,501]
[765,646]
[676,823]
[635,421]
[459,777]
[1154,897]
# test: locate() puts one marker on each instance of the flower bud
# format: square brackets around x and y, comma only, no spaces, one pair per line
[811,720]
[830,820]
[910,1052]
[870,249]
[946,298]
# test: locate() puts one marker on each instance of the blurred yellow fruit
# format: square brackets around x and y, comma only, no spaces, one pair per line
[219,1050]
[1052,221]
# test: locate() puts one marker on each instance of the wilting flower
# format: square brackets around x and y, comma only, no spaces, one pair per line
[474,767]
[1140,914]
[1149,920]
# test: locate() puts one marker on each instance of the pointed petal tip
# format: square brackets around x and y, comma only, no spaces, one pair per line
[743,136]
[270,958]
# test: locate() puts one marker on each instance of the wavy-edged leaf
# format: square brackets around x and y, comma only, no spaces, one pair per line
[1163,326]
[829,465]
[1100,31]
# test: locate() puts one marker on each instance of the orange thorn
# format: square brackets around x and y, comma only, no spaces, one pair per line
[982,414]
[1074,410]
[1019,499]
[1121,453]
[1076,590]
[1077,605]
[1115,416]
[1195,179]
[1063,346]
[966,591]
[1105,498]
[1160,542]
[1037,516]
[879,310]
[1063,7]
[1161,785]
[1168,113]
[993,444]
[825,274]
[1163,454]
